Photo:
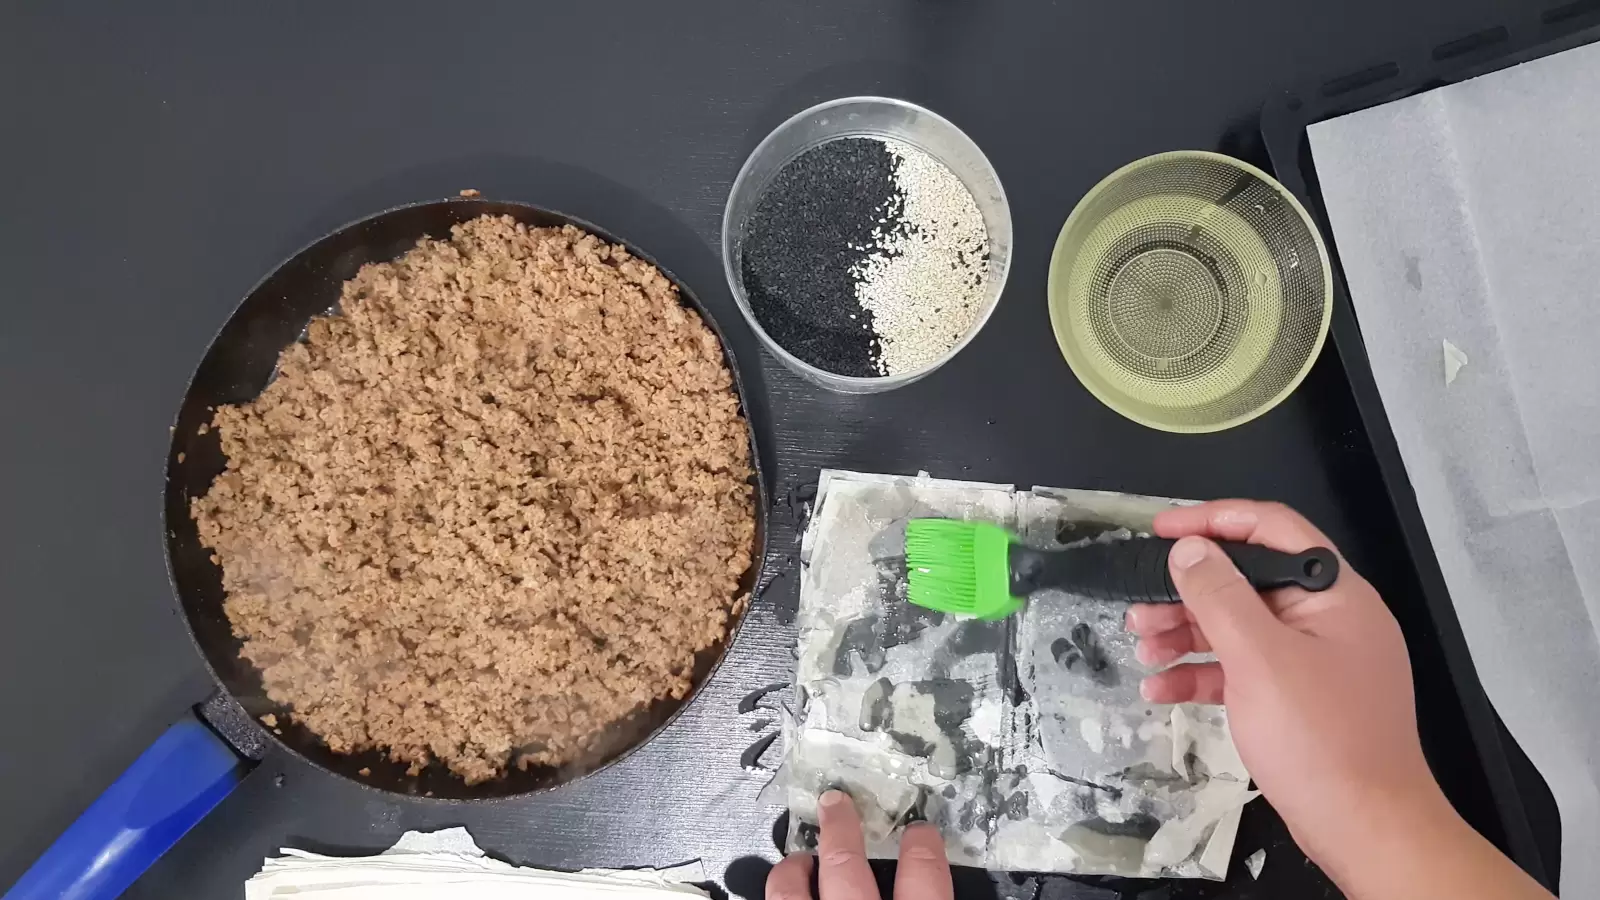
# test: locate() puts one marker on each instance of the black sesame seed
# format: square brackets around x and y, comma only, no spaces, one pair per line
[811,226]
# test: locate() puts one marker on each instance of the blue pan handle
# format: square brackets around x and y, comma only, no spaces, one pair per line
[170,787]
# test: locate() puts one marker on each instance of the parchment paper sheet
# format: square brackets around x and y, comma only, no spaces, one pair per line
[449,865]
[1471,214]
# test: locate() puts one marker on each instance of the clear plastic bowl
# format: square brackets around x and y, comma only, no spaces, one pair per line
[880,117]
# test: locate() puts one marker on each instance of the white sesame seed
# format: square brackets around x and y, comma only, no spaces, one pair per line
[924,281]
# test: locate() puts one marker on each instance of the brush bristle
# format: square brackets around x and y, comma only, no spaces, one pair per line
[941,565]
[958,567]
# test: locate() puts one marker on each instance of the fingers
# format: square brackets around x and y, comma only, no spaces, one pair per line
[790,879]
[1188,683]
[1161,649]
[1153,618]
[924,872]
[1166,631]
[1232,616]
[843,873]
[1268,524]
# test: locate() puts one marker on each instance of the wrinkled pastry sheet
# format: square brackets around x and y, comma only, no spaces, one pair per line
[1025,741]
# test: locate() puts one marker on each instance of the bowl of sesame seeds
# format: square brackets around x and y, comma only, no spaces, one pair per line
[867,241]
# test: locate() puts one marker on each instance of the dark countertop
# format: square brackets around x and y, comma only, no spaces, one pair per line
[159,160]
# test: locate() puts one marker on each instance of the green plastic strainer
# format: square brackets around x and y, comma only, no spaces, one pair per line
[1190,291]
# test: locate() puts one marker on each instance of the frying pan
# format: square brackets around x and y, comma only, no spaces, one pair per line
[201,758]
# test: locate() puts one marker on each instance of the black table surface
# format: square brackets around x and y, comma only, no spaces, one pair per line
[158,160]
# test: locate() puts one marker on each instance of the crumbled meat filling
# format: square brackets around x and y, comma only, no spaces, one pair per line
[495,505]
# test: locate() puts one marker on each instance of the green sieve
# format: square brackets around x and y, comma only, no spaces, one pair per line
[1190,291]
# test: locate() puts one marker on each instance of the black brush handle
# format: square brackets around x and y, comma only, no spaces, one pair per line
[1135,570]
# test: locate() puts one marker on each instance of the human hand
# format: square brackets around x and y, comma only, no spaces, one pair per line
[841,861]
[1317,685]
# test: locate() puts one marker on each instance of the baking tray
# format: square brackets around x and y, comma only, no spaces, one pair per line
[1529,816]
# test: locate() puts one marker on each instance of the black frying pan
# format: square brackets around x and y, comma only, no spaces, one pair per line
[197,762]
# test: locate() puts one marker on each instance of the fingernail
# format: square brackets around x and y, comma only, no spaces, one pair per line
[1188,551]
[833,798]
[1146,692]
[1144,654]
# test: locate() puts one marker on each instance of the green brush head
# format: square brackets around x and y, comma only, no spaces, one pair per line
[960,567]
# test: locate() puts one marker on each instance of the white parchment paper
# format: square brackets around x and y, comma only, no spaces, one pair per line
[1469,218]
[449,865]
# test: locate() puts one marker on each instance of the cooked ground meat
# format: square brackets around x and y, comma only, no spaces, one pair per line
[493,506]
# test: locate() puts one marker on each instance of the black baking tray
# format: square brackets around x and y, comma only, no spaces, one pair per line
[1531,822]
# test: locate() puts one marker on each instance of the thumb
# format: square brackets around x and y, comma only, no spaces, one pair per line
[1230,613]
